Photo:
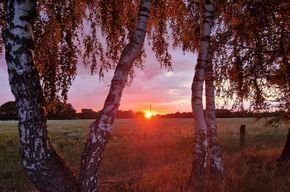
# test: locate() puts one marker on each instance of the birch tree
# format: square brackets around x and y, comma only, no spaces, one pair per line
[205,126]
[191,25]
[40,161]
[100,129]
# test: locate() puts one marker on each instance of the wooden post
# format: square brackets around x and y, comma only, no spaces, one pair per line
[242,135]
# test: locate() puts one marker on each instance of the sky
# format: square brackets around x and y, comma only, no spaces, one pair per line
[166,91]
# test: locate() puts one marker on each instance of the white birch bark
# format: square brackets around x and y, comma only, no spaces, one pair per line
[216,163]
[41,163]
[100,130]
[200,125]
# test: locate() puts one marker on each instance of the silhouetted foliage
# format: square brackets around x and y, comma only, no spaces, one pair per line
[125,114]
[226,113]
[251,44]
[139,114]
[58,110]
[61,110]
[87,114]
[8,111]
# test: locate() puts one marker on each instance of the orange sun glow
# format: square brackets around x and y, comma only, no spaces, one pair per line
[148,114]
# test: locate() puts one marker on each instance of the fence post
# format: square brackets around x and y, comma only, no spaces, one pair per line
[242,135]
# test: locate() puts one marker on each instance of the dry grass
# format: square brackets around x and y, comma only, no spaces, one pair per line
[155,155]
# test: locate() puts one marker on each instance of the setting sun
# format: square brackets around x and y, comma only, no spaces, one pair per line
[148,114]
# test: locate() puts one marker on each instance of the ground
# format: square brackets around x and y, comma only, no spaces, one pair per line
[156,155]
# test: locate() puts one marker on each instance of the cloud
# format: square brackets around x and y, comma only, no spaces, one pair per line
[166,91]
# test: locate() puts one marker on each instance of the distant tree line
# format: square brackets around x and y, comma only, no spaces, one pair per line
[91,114]
[225,113]
[60,110]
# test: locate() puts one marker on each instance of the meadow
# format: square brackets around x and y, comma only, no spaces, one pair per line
[155,155]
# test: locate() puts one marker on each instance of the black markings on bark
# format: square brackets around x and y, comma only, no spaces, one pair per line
[142,30]
[197,179]
[101,128]
[205,38]
[144,9]
[41,163]
[144,15]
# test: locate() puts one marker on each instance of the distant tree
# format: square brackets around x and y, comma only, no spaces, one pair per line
[223,113]
[125,114]
[8,111]
[139,114]
[87,114]
[61,110]
[57,110]
[87,111]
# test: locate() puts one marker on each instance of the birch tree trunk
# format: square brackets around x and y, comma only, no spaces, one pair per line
[216,164]
[41,163]
[200,126]
[100,129]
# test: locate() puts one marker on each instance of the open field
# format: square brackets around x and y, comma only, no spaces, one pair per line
[155,155]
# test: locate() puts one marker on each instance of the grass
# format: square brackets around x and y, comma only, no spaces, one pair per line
[156,155]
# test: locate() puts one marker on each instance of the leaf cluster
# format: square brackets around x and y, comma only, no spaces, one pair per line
[249,53]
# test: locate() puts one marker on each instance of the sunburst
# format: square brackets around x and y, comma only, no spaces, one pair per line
[148,114]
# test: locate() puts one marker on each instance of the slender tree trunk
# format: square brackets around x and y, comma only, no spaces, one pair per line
[285,49]
[286,151]
[216,164]
[200,158]
[102,127]
[41,163]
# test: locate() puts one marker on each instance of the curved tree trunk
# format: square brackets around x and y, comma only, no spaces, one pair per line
[201,145]
[41,163]
[100,130]
[216,164]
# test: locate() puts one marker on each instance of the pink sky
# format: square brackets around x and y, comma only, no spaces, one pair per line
[166,91]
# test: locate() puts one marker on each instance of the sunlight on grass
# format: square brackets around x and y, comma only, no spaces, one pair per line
[156,155]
